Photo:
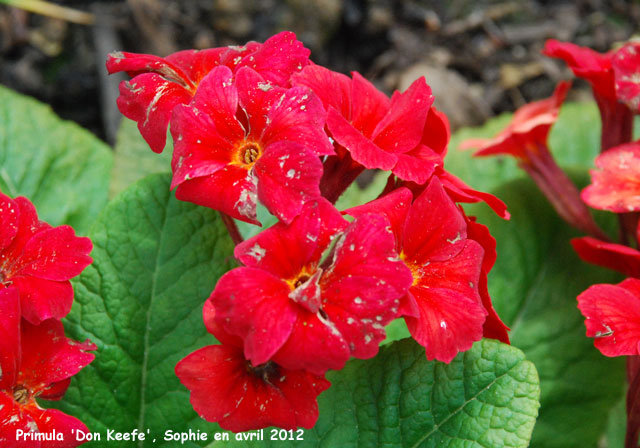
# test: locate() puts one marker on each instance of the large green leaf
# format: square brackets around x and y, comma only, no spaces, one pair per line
[486,397]
[133,159]
[156,261]
[60,167]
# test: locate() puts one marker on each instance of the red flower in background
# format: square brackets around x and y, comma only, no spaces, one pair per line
[626,69]
[616,183]
[36,362]
[245,139]
[611,82]
[227,388]
[525,138]
[443,308]
[612,315]
[526,135]
[305,311]
[39,260]
[160,84]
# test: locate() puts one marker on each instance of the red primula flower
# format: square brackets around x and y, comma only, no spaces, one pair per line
[160,84]
[612,315]
[610,81]
[39,260]
[404,135]
[291,305]
[616,183]
[443,308]
[36,362]
[525,138]
[228,389]
[243,140]
[626,69]
[526,135]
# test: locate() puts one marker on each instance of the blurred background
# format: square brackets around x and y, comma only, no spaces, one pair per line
[481,58]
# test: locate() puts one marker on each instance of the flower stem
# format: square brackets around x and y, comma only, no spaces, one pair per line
[561,192]
[633,402]
[339,173]
[232,228]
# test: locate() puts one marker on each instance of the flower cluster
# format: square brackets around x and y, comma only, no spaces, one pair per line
[36,359]
[261,123]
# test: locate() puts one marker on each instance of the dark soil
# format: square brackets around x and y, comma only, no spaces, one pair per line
[480,57]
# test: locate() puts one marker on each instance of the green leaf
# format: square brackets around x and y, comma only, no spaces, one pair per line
[534,286]
[487,396]
[63,169]
[156,260]
[133,159]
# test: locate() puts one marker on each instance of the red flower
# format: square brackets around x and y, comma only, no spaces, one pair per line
[405,134]
[443,308]
[526,135]
[39,260]
[626,69]
[160,84]
[610,81]
[616,184]
[612,315]
[305,311]
[246,140]
[228,389]
[36,362]
[525,138]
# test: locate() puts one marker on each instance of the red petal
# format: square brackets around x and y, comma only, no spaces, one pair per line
[9,219]
[435,227]
[12,418]
[137,63]
[315,345]
[394,206]
[417,165]
[333,89]
[55,254]
[9,337]
[363,286]
[616,184]
[363,150]
[586,64]
[213,327]
[288,177]
[449,322]
[223,390]
[613,256]
[43,299]
[613,317]
[401,129]
[528,128]
[232,190]
[255,305]
[48,356]
[49,420]
[278,58]
[149,99]
[284,250]
[437,131]
[370,105]
[199,149]
[626,67]
[297,116]
[461,192]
